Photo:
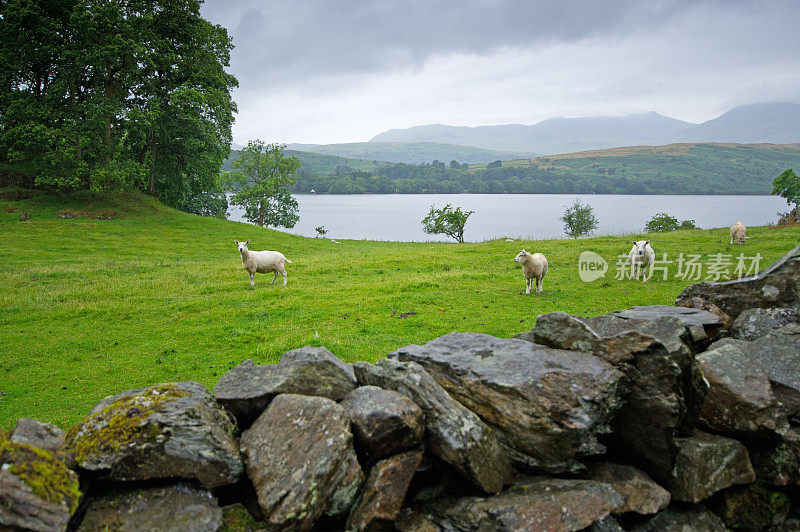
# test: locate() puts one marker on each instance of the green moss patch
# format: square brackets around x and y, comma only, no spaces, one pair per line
[48,478]
[121,423]
[236,518]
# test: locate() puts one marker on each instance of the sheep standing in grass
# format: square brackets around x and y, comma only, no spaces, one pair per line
[642,257]
[737,233]
[262,262]
[534,266]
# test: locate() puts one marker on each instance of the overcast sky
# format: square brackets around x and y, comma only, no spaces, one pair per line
[343,71]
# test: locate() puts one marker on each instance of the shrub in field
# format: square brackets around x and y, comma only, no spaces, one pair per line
[663,222]
[579,220]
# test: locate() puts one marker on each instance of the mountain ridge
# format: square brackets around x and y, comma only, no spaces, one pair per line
[777,123]
[411,152]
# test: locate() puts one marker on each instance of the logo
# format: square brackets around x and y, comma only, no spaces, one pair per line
[591,266]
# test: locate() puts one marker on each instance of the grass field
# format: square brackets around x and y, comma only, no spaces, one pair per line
[92,307]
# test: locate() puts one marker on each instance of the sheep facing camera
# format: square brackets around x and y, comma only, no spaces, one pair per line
[591,266]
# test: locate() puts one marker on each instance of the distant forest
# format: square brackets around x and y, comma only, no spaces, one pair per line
[693,169]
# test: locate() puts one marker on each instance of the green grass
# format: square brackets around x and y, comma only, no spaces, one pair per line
[89,308]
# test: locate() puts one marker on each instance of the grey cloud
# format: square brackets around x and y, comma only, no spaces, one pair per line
[277,42]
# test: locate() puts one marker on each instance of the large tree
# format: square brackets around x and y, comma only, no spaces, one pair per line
[262,176]
[99,94]
[787,186]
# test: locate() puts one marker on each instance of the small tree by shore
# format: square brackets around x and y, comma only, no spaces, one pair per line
[446,221]
[579,220]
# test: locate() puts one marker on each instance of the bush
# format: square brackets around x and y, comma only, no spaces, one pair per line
[663,223]
[579,220]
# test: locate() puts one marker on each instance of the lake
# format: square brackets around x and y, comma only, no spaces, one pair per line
[398,217]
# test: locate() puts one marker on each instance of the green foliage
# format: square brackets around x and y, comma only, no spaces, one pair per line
[663,222]
[262,176]
[495,164]
[579,219]
[321,231]
[101,306]
[446,221]
[787,186]
[108,95]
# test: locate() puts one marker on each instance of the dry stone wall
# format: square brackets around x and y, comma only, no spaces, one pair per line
[649,418]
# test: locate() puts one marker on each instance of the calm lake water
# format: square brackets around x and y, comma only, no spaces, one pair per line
[398,217]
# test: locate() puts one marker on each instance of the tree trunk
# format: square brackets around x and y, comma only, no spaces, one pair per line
[151,187]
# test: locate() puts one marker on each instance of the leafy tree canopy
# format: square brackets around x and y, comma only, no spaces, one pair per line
[262,177]
[579,220]
[446,221]
[663,222]
[787,186]
[101,95]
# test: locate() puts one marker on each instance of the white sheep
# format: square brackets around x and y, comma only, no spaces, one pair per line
[737,233]
[641,256]
[534,266]
[262,262]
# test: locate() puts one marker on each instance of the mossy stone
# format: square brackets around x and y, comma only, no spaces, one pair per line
[123,422]
[48,478]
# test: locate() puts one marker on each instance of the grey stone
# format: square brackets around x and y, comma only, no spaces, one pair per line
[247,389]
[778,354]
[318,355]
[776,286]
[699,302]
[37,491]
[689,316]
[757,322]
[38,434]
[300,458]
[740,399]
[547,405]
[683,518]
[531,503]
[560,330]
[163,431]
[666,386]
[706,464]
[172,508]
[384,421]
[640,493]
[453,433]
[383,493]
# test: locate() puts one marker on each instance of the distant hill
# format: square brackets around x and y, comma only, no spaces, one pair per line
[691,168]
[317,163]
[777,123]
[699,168]
[412,152]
